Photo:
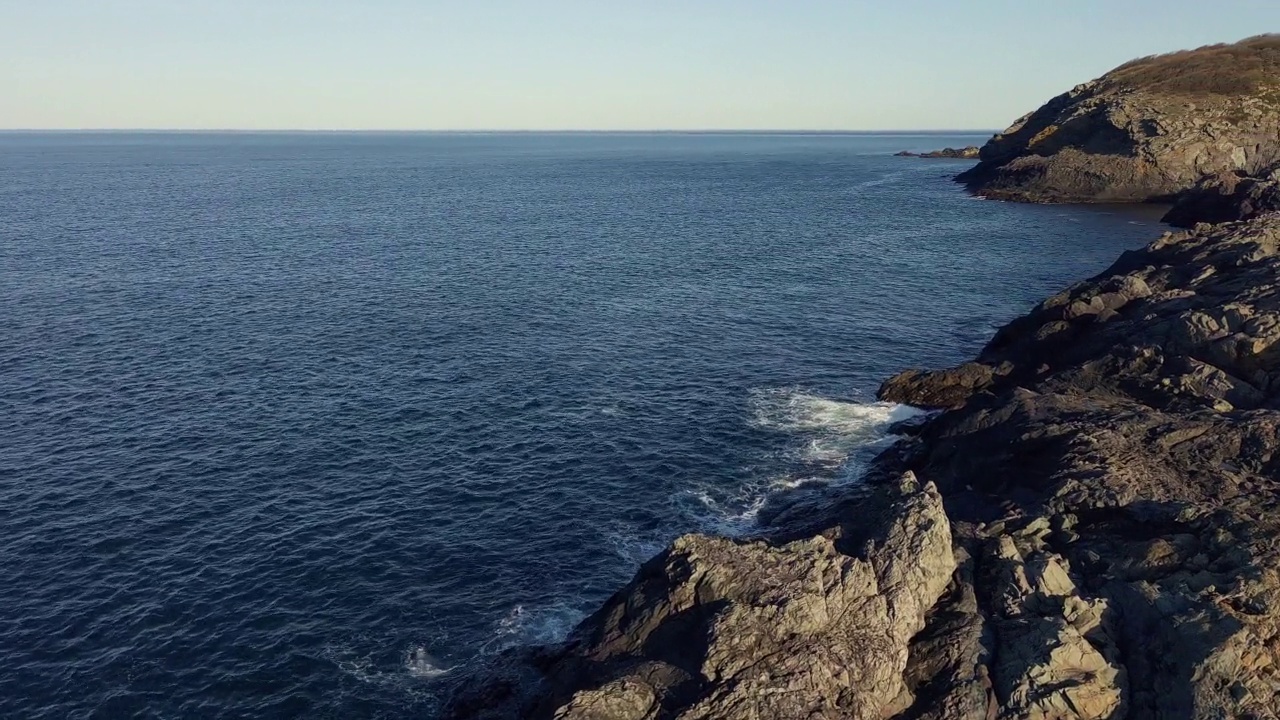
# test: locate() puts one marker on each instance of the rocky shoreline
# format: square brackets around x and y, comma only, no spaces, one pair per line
[965,153]
[1089,526]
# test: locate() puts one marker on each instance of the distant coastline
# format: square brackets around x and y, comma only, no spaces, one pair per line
[400,131]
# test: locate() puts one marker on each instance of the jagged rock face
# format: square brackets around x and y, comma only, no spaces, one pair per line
[1115,485]
[1135,136]
[1092,531]
[811,627]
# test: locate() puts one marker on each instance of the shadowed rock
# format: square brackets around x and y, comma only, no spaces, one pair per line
[1225,198]
[1116,486]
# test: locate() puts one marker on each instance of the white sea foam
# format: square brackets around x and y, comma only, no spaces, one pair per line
[535,625]
[635,548]
[831,430]
[832,441]
[732,516]
[420,664]
[416,665]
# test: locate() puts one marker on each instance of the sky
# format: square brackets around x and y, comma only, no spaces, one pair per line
[576,64]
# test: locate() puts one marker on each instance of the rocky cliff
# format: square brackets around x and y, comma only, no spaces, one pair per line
[1088,526]
[1146,131]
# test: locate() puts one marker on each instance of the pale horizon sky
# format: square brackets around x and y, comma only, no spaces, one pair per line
[574,64]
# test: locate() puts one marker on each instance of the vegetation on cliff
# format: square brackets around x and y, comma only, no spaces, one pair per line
[1249,67]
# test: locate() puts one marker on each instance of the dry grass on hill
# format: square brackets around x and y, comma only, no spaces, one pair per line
[1242,68]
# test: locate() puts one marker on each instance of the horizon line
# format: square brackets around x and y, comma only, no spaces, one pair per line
[494,131]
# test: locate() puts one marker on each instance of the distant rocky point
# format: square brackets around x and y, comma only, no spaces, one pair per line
[1147,131]
[966,153]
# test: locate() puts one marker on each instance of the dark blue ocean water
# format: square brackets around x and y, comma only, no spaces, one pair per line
[297,425]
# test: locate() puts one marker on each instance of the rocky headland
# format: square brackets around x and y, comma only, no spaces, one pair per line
[965,153]
[1088,526]
[1146,131]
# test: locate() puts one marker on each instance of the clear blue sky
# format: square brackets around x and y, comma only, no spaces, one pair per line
[576,64]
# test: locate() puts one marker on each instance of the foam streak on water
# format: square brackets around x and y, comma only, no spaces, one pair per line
[306,425]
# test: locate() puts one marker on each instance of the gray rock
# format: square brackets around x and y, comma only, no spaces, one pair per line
[1224,198]
[814,627]
[971,152]
[1146,131]
[939,388]
[1144,451]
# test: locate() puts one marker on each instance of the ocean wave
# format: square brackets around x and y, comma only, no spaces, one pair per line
[832,440]
[421,664]
[882,180]
[535,625]
[634,548]
[832,430]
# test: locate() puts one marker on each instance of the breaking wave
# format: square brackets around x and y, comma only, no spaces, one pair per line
[830,442]
[535,625]
[832,431]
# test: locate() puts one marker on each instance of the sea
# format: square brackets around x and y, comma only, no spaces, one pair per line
[312,425]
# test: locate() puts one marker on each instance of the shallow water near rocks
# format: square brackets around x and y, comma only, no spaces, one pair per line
[300,425]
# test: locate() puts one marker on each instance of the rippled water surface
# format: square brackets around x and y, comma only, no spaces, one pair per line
[296,425]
